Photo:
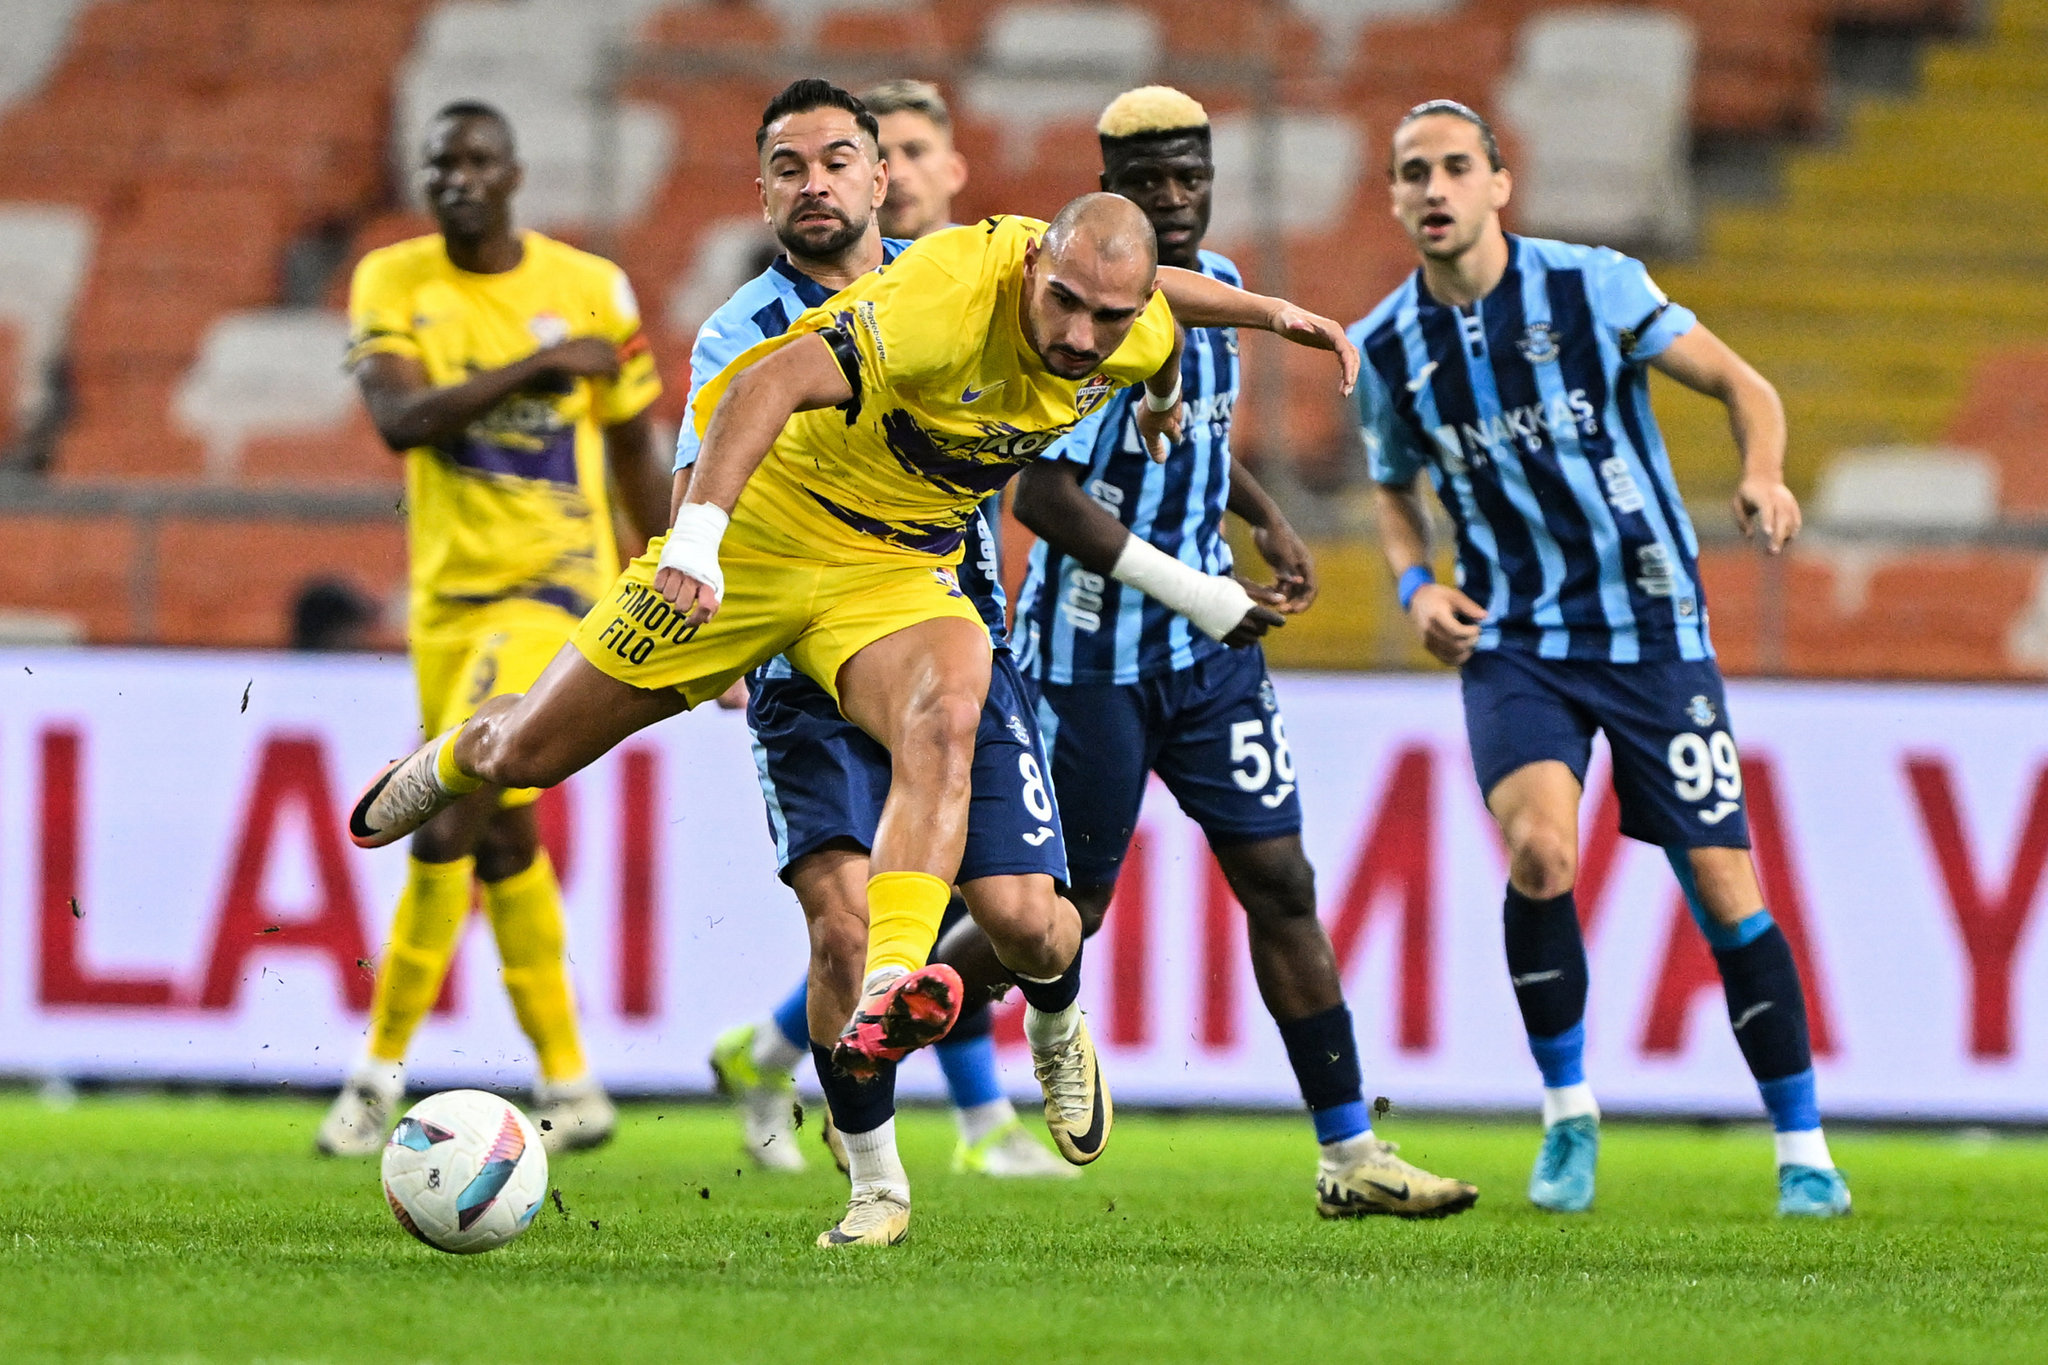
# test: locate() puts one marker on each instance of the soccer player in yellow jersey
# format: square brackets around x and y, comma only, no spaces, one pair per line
[840,464]
[511,372]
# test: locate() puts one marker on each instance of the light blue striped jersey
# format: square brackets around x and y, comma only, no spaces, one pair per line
[764,307]
[1074,626]
[1531,411]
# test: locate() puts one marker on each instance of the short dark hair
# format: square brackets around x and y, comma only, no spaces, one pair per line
[800,97]
[1466,112]
[475,109]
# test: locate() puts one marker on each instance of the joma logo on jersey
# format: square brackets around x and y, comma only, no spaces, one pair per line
[1526,426]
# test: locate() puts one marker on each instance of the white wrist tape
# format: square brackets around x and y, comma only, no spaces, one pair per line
[692,545]
[1165,404]
[1214,605]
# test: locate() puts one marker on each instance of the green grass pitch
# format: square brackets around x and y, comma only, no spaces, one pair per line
[151,1229]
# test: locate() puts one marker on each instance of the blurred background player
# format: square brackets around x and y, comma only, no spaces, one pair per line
[925,171]
[1144,648]
[823,779]
[511,372]
[1512,369]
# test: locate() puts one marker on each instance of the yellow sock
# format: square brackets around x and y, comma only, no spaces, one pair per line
[453,780]
[904,910]
[526,915]
[423,933]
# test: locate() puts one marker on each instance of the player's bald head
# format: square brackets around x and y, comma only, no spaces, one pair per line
[1103,232]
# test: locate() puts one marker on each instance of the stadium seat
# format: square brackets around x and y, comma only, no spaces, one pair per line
[1601,98]
[15,404]
[1907,488]
[911,38]
[1405,62]
[1048,62]
[1320,158]
[728,253]
[2005,415]
[349,454]
[231,583]
[715,33]
[44,250]
[73,571]
[37,31]
[270,373]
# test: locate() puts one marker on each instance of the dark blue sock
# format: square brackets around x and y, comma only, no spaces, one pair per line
[792,1016]
[1050,997]
[1547,967]
[967,1054]
[857,1106]
[1765,1003]
[1324,1053]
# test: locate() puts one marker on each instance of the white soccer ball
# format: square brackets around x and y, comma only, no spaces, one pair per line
[464,1171]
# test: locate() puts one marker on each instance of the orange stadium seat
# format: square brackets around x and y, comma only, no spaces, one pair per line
[729,30]
[352,453]
[10,383]
[2005,415]
[232,582]
[72,566]
[912,39]
[194,43]
[80,142]
[1408,61]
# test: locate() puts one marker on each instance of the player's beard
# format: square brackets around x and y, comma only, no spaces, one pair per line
[810,246]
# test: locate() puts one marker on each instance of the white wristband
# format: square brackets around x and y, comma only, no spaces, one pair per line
[692,545]
[1213,604]
[1165,404]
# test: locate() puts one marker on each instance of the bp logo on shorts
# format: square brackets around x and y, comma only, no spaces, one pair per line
[1538,344]
[1018,729]
[1700,712]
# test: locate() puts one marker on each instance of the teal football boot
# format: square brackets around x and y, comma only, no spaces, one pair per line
[1810,1192]
[1563,1179]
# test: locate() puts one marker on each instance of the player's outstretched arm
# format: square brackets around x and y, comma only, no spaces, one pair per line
[1706,364]
[1198,301]
[1294,585]
[408,410]
[1445,617]
[1051,503]
[641,472]
[795,378]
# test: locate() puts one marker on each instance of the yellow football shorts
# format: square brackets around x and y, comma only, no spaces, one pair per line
[820,614]
[482,654]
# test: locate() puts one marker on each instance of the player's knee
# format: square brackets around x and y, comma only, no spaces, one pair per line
[508,753]
[1275,886]
[943,725]
[1543,862]
[507,846]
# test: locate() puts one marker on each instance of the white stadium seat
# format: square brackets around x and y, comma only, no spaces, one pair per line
[1601,100]
[727,256]
[1045,63]
[1308,183]
[276,372]
[1907,488]
[36,31]
[1341,20]
[44,251]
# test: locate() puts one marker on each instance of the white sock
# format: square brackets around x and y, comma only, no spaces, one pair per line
[775,1053]
[1808,1148]
[978,1121]
[880,976]
[1347,1151]
[1569,1102]
[875,1165]
[387,1077]
[1050,1030]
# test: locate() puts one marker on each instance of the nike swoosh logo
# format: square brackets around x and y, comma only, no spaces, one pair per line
[1421,377]
[1531,978]
[1090,1142]
[1752,1012]
[1039,838]
[970,394]
[1391,1191]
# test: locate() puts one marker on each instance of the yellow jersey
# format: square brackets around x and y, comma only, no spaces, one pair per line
[516,507]
[951,402]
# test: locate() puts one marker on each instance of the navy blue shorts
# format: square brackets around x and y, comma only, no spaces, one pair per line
[1211,731]
[1676,771]
[825,780]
